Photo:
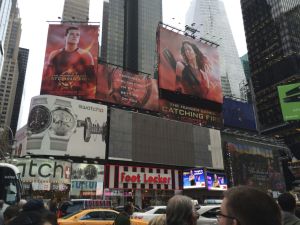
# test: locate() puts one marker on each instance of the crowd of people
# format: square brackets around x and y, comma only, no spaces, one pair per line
[241,205]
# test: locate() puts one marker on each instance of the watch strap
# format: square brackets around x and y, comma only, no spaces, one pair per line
[39,101]
[58,144]
[62,102]
[34,143]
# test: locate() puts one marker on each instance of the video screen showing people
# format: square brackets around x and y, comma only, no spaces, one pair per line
[188,66]
[193,178]
[216,181]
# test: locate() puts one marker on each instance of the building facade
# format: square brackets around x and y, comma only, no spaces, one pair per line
[10,71]
[209,17]
[76,10]
[131,33]
[273,41]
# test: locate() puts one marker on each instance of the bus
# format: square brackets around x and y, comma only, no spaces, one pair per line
[10,184]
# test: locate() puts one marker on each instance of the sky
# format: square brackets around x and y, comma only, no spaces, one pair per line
[37,14]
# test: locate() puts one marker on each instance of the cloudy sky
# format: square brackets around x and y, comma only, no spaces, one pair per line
[36,15]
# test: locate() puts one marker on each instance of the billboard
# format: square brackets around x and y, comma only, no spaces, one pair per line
[188,66]
[44,171]
[70,62]
[118,86]
[21,142]
[87,179]
[144,138]
[254,165]
[289,97]
[216,181]
[197,116]
[193,178]
[64,126]
[238,114]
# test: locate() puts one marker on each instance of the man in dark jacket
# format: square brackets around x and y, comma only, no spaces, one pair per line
[287,203]
[124,217]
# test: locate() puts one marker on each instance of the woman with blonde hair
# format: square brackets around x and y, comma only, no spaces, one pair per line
[158,220]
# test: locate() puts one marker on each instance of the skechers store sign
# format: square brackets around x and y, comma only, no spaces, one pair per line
[43,170]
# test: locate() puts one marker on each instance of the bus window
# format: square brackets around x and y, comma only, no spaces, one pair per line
[10,189]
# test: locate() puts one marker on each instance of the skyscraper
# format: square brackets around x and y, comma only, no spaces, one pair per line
[209,17]
[22,65]
[5,6]
[76,10]
[10,71]
[131,33]
[273,40]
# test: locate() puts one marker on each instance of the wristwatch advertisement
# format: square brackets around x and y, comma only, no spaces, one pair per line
[38,122]
[58,126]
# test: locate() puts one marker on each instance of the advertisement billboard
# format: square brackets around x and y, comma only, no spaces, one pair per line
[289,97]
[87,179]
[44,171]
[197,116]
[188,66]
[254,165]
[238,114]
[118,86]
[193,178]
[216,181]
[64,126]
[21,142]
[70,62]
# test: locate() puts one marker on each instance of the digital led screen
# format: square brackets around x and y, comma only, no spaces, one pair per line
[193,178]
[216,181]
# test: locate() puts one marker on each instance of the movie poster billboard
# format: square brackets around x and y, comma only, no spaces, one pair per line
[188,66]
[216,181]
[289,97]
[193,178]
[64,126]
[118,86]
[238,114]
[255,166]
[71,60]
[197,116]
[87,179]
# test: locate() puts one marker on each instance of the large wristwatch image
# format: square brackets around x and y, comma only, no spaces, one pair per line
[38,122]
[64,123]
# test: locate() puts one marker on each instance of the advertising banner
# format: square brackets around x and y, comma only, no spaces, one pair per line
[21,138]
[197,116]
[42,172]
[289,96]
[216,181]
[117,86]
[63,126]
[238,114]
[87,178]
[188,66]
[71,61]
[193,178]
[254,166]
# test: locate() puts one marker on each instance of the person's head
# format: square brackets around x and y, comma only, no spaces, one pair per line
[244,205]
[190,52]
[72,35]
[21,203]
[128,208]
[287,202]
[1,204]
[180,211]
[158,220]
[33,205]
[10,212]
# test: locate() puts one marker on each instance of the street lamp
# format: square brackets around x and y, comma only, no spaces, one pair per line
[6,141]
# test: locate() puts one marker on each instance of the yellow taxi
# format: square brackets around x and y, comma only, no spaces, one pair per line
[95,217]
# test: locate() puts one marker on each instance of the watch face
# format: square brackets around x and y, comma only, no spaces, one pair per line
[90,172]
[39,119]
[63,121]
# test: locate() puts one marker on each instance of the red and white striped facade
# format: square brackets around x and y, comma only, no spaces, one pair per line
[134,177]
